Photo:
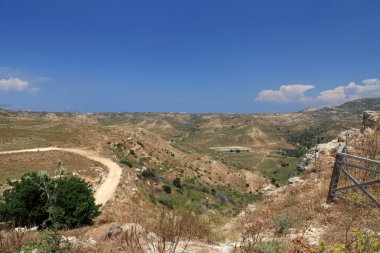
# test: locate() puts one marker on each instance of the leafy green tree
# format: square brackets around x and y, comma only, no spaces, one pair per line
[25,204]
[38,200]
[74,204]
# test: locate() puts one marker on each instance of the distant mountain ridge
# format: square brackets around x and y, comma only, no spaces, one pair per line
[360,105]
[3,112]
[353,107]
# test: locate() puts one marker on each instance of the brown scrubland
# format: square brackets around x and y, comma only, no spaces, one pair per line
[203,183]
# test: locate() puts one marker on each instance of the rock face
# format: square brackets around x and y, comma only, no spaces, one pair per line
[294,180]
[371,119]
[307,162]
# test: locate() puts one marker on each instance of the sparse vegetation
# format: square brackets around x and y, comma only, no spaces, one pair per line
[167,188]
[127,162]
[166,200]
[187,176]
[49,242]
[177,182]
[141,144]
[151,174]
[292,152]
[283,223]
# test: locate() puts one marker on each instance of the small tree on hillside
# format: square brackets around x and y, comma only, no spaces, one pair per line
[74,204]
[25,204]
[38,200]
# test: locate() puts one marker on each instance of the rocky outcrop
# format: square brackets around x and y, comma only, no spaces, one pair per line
[308,161]
[371,119]
[294,180]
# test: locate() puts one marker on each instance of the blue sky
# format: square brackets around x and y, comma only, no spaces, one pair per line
[187,56]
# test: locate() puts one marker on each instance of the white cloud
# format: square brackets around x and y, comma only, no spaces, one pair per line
[16,84]
[286,94]
[338,95]
[13,83]
[352,91]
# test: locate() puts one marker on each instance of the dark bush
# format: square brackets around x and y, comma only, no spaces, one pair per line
[37,200]
[127,162]
[151,174]
[292,152]
[74,203]
[167,188]
[283,223]
[200,187]
[177,182]
[166,201]
[120,146]
[25,203]
[222,197]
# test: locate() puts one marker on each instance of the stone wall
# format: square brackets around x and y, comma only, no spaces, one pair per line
[371,119]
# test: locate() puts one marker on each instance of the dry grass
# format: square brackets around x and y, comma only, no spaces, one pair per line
[13,166]
[168,232]
[301,208]
[11,242]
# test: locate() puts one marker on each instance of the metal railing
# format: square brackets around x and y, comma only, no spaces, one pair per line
[360,171]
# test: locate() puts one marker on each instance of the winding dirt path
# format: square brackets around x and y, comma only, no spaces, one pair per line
[106,190]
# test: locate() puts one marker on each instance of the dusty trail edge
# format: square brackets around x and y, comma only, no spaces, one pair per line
[107,189]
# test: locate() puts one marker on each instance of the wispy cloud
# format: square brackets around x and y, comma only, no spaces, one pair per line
[16,84]
[295,93]
[286,94]
[341,94]
[42,79]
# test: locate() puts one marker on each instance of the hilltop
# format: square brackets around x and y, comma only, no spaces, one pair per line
[3,112]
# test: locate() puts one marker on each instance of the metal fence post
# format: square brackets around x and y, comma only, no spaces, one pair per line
[335,175]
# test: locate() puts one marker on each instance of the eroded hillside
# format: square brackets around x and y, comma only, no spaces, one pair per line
[213,166]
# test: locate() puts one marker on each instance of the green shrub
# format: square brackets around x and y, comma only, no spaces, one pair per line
[167,188]
[49,242]
[222,197]
[283,223]
[166,201]
[151,174]
[37,200]
[200,187]
[177,182]
[25,203]
[299,152]
[274,246]
[74,203]
[127,162]
[362,242]
[140,143]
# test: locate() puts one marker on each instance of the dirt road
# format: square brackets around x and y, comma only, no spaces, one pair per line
[105,190]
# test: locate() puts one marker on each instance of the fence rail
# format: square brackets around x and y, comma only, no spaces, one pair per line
[345,164]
